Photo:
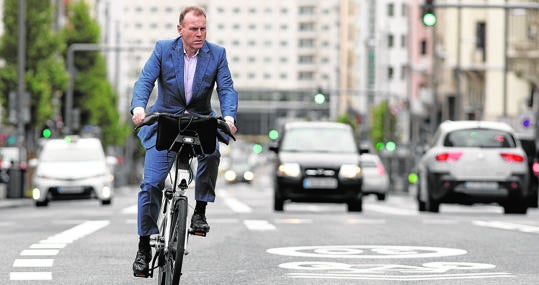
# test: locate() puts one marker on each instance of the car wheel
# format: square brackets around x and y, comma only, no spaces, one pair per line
[381,196]
[421,207]
[43,203]
[278,202]
[431,205]
[516,206]
[355,205]
[533,203]
[106,202]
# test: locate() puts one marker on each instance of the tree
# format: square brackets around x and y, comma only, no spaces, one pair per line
[383,123]
[92,92]
[45,72]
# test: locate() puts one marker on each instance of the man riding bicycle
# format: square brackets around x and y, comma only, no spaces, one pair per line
[187,69]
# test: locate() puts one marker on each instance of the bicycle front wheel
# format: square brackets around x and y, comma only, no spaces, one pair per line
[178,236]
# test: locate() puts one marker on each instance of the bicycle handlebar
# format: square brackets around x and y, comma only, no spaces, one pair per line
[152,117]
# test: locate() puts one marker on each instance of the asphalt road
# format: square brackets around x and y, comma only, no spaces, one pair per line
[390,242]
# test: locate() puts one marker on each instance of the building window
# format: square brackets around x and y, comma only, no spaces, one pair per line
[306,59]
[390,9]
[389,41]
[305,75]
[403,41]
[390,73]
[423,48]
[306,43]
[403,72]
[306,26]
[404,10]
[306,10]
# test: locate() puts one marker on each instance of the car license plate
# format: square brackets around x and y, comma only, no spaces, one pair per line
[318,183]
[481,185]
[70,189]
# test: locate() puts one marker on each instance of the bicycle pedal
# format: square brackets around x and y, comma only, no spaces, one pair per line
[141,275]
[197,233]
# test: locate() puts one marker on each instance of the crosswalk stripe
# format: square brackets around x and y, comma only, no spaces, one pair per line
[33,262]
[30,276]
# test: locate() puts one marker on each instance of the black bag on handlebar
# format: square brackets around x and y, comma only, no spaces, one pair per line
[168,129]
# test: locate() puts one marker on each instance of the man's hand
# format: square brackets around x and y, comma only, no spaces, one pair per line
[230,122]
[138,116]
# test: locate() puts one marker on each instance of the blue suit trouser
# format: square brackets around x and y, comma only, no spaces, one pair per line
[157,165]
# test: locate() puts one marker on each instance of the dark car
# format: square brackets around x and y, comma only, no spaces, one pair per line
[317,162]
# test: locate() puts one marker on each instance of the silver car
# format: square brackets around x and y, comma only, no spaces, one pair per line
[471,162]
[375,177]
[72,168]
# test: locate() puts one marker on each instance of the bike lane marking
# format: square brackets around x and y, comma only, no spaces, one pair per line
[50,247]
[234,204]
[507,226]
[386,271]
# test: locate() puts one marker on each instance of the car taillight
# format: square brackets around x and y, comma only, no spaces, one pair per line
[448,156]
[511,157]
[535,168]
[380,169]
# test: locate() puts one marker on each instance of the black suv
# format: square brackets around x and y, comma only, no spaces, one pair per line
[317,162]
[530,147]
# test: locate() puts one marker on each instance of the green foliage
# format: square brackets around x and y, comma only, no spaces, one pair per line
[346,119]
[93,93]
[44,68]
[383,123]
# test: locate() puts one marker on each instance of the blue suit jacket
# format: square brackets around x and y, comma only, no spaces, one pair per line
[166,65]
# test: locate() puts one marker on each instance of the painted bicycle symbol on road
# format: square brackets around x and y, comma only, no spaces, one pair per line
[382,271]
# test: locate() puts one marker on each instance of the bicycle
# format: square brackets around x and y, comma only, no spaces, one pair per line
[188,135]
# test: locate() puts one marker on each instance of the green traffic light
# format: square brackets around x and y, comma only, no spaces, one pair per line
[391,146]
[319,98]
[257,148]
[273,134]
[429,19]
[46,133]
[379,146]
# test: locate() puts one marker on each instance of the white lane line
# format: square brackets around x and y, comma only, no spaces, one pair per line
[508,226]
[33,262]
[76,232]
[39,252]
[365,221]
[30,276]
[294,221]
[390,210]
[49,247]
[259,225]
[234,204]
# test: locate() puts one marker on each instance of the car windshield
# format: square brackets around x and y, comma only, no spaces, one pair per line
[483,138]
[309,139]
[72,154]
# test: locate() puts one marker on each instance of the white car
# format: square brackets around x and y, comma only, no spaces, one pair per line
[471,162]
[375,177]
[72,168]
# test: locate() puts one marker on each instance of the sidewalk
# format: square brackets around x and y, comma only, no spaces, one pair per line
[12,203]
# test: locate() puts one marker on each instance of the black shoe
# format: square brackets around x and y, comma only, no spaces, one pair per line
[141,266]
[199,224]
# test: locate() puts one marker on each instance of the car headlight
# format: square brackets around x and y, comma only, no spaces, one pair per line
[248,175]
[230,175]
[289,169]
[350,171]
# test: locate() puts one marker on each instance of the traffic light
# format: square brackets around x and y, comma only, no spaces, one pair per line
[273,134]
[47,129]
[428,17]
[319,97]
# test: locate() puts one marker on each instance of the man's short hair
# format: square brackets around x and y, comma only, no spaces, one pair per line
[195,9]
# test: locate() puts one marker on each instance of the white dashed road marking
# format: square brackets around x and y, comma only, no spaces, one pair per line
[259,225]
[234,204]
[51,247]
[508,226]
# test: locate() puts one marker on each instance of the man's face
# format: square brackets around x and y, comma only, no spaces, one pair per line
[193,31]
